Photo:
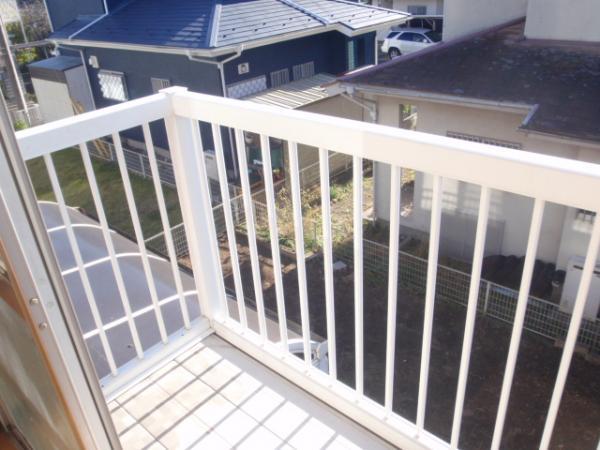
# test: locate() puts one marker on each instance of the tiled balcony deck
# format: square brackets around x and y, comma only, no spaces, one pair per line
[215,397]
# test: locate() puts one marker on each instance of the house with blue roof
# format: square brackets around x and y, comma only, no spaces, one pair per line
[233,48]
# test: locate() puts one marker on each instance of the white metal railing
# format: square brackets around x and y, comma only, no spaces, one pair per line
[545,179]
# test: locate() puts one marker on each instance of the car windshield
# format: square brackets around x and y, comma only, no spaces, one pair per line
[434,36]
[392,34]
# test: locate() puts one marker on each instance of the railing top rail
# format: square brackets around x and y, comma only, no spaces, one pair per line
[71,131]
[560,180]
[555,179]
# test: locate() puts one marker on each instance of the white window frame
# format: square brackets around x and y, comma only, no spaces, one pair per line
[118,93]
[280,77]
[159,83]
[248,87]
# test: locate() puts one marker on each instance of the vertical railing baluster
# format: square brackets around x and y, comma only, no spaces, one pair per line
[571,339]
[97,199]
[432,267]
[251,228]
[357,181]
[390,349]
[274,234]
[328,260]
[164,218]
[87,287]
[229,224]
[139,236]
[300,258]
[519,319]
[482,221]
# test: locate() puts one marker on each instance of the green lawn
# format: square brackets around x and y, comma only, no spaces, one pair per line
[75,188]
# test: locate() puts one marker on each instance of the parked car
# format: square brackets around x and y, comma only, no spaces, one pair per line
[408,40]
[435,23]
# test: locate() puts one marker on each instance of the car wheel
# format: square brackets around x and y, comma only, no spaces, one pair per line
[394,52]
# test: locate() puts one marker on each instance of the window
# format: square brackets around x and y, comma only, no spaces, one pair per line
[246,88]
[113,85]
[484,140]
[351,56]
[417,10]
[434,36]
[159,83]
[585,216]
[304,70]
[280,77]
[413,37]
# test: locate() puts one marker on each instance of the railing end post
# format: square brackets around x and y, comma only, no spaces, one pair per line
[173,90]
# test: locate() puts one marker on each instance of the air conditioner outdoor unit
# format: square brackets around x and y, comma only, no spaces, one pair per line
[571,286]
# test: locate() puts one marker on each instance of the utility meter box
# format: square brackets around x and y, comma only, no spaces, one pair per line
[571,286]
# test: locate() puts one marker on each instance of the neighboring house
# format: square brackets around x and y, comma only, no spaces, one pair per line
[414,7]
[230,48]
[499,87]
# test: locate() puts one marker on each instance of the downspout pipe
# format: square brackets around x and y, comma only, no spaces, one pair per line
[220,64]
[372,111]
[221,67]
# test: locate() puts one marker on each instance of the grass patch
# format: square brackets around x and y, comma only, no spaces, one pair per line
[75,188]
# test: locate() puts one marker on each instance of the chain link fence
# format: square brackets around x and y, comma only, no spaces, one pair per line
[542,317]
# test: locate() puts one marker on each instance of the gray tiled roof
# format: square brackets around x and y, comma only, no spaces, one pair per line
[559,81]
[206,24]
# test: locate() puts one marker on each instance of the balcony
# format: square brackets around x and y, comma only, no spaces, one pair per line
[236,329]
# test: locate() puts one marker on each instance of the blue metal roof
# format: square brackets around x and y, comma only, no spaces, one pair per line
[73,27]
[209,24]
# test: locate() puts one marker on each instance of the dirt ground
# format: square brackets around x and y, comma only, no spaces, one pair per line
[578,422]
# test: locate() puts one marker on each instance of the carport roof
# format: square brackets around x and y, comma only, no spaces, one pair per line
[295,94]
[559,82]
[204,24]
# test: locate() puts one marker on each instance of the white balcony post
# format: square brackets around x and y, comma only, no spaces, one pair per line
[194,198]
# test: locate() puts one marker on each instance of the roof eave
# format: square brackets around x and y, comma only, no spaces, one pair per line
[409,94]
[220,51]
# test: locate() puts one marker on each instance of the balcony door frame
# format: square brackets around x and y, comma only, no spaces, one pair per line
[45,300]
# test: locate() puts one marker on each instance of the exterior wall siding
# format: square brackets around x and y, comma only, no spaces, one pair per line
[327,50]
[140,67]
[561,237]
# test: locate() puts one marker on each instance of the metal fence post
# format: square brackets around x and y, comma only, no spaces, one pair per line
[194,197]
[141,158]
[487,297]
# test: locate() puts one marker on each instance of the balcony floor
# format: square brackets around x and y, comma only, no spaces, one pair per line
[214,396]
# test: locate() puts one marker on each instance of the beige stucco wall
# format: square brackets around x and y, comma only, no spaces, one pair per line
[510,214]
[564,20]
[336,106]
[462,17]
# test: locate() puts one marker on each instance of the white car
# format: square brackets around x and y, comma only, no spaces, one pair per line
[408,40]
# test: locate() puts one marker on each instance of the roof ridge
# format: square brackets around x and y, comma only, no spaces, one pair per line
[213,34]
[308,12]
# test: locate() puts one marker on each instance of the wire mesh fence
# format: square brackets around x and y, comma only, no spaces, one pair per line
[542,317]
